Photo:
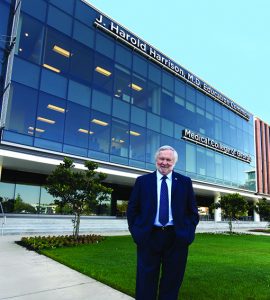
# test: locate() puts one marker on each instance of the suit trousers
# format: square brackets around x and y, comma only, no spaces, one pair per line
[162,253]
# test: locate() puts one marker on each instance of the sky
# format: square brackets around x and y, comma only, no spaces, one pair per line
[225,43]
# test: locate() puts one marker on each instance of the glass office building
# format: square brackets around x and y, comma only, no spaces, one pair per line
[77,83]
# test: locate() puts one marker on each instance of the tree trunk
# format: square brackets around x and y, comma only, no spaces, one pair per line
[230,225]
[76,226]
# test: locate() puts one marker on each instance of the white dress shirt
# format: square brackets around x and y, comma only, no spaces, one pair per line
[169,184]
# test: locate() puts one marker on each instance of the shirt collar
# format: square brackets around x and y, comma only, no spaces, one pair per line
[159,175]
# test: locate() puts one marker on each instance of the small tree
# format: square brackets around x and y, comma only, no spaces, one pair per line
[232,207]
[263,209]
[77,189]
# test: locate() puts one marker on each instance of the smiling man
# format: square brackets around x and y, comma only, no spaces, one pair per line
[162,217]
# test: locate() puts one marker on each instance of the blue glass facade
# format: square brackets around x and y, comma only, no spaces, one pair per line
[78,90]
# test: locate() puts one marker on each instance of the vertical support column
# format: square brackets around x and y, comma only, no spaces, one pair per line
[217,213]
[258,155]
[114,203]
[255,214]
[1,167]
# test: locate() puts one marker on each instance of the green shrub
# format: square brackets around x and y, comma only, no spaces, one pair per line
[38,243]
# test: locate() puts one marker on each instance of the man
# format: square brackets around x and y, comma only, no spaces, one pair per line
[162,217]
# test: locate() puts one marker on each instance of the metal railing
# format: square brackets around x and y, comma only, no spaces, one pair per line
[3,221]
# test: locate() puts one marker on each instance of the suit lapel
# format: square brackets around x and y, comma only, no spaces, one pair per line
[153,185]
[175,180]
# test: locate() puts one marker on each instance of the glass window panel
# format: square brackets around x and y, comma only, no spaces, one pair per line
[167,102]
[167,81]
[123,56]
[153,122]
[7,190]
[100,126]
[210,163]
[25,72]
[81,57]
[47,144]
[166,140]
[233,135]
[119,138]
[218,130]
[77,125]
[103,71]
[201,161]
[137,142]
[233,117]
[239,122]
[59,20]
[83,34]
[57,52]
[153,97]
[227,167]
[122,82]
[4,15]
[28,194]
[226,134]
[17,138]
[138,116]
[209,104]
[154,73]
[121,109]
[47,205]
[139,65]
[21,111]
[139,91]
[167,127]
[217,108]
[79,93]
[75,150]
[84,12]
[180,88]
[29,39]
[178,131]
[190,158]
[180,147]
[50,118]
[53,83]
[200,99]
[191,94]
[180,101]
[101,101]
[67,5]
[152,144]
[225,114]
[233,172]
[219,166]
[36,8]
[105,45]
[190,106]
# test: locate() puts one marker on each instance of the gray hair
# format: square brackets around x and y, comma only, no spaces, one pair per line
[166,147]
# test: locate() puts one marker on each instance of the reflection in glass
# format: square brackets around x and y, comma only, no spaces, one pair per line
[100,126]
[122,81]
[137,143]
[29,39]
[77,126]
[152,144]
[57,52]
[18,118]
[119,138]
[51,121]
[81,56]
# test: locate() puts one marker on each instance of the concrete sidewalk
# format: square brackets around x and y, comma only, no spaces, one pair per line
[26,275]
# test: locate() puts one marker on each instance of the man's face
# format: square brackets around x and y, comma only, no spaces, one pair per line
[165,162]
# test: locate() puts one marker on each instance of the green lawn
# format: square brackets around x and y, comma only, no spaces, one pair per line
[219,266]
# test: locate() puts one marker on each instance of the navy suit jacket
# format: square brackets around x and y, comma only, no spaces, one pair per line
[142,208]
